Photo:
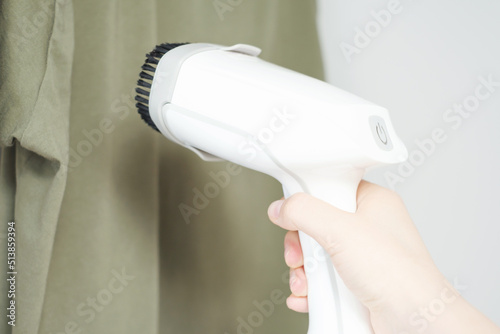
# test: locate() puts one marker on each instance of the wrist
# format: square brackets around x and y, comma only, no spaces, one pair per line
[421,299]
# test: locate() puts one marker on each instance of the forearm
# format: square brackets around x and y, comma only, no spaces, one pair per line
[436,309]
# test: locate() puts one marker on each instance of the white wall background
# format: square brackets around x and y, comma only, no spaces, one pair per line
[427,59]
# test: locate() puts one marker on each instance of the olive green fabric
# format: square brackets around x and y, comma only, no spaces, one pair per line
[102,246]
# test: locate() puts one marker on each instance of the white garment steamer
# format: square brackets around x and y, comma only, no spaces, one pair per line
[225,103]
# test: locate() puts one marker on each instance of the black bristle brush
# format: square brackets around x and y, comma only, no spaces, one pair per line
[146,80]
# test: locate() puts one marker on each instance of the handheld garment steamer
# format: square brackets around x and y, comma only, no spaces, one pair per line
[225,103]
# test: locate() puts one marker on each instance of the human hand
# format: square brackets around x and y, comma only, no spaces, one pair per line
[377,252]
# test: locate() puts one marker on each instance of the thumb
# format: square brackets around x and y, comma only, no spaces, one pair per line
[317,218]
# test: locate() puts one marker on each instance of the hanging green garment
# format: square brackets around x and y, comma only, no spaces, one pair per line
[102,245]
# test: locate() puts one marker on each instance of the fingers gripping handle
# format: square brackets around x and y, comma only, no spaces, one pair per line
[333,309]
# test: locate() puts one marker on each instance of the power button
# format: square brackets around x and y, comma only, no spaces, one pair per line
[380,133]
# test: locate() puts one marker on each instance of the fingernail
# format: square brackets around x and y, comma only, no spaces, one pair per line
[293,279]
[274,209]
